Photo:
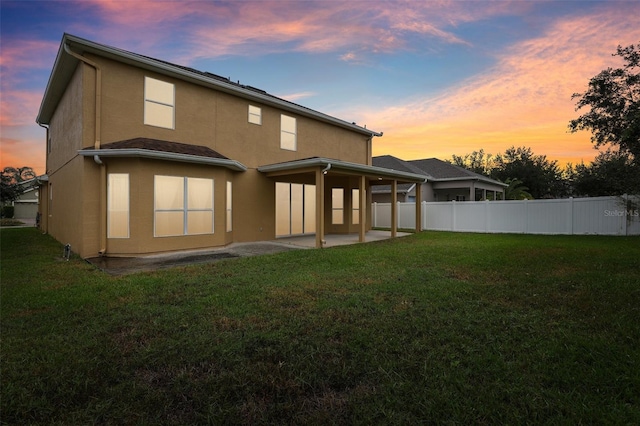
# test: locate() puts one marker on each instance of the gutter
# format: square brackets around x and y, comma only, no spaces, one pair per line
[343,165]
[161,155]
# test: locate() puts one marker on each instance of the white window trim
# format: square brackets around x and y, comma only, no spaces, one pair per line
[128,209]
[335,209]
[294,133]
[255,117]
[148,100]
[229,206]
[185,209]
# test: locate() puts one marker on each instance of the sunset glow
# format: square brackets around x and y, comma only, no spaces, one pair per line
[438,78]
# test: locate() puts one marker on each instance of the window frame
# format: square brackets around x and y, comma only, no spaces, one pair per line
[339,209]
[156,100]
[110,202]
[229,206]
[185,208]
[288,133]
[355,206]
[255,117]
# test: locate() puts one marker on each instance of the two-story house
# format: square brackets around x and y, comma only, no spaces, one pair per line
[146,156]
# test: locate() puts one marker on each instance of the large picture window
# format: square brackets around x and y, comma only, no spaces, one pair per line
[288,133]
[183,206]
[118,205]
[159,102]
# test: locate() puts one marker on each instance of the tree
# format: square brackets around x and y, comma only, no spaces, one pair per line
[611,173]
[613,98]
[516,190]
[541,176]
[10,178]
[477,162]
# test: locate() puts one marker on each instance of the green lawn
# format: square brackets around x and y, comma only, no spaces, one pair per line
[433,328]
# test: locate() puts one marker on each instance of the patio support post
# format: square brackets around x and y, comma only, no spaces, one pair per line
[418,207]
[319,208]
[394,208]
[362,212]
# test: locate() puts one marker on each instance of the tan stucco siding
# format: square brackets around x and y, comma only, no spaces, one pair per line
[204,116]
[66,127]
[65,206]
[253,207]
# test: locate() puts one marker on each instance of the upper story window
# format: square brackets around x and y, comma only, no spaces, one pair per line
[255,115]
[288,133]
[159,103]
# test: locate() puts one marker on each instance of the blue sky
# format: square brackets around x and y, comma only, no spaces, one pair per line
[438,78]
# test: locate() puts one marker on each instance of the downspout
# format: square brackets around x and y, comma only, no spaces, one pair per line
[370,147]
[96,145]
[326,169]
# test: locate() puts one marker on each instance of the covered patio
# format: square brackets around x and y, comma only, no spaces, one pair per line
[348,216]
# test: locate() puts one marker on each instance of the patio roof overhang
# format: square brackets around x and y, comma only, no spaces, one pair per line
[379,175]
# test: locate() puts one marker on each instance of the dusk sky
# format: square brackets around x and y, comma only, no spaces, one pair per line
[437,77]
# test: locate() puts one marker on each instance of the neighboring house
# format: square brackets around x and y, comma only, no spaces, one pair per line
[146,156]
[444,182]
[26,205]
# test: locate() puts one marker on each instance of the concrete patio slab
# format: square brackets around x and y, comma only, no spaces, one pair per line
[129,265]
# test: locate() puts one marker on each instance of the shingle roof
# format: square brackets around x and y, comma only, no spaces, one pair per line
[442,170]
[391,162]
[433,168]
[163,146]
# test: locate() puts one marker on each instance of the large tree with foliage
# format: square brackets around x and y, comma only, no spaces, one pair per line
[611,173]
[9,180]
[541,176]
[613,102]
[478,162]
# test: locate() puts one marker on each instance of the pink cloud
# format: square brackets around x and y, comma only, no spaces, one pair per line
[294,97]
[19,107]
[525,99]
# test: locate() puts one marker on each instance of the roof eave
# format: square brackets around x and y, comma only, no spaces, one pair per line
[161,155]
[345,166]
[80,46]
[436,180]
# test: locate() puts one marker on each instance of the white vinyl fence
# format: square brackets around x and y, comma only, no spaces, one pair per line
[579,216]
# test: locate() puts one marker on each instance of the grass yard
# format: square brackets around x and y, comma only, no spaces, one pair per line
[443,328]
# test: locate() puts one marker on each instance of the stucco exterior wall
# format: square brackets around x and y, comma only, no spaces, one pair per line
[212,118]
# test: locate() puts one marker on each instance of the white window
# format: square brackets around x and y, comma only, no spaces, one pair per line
[255,115]
[355,206]
[229,207]
[288,136]
[183,206]
[118,205]
[337,206]
[159,102]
